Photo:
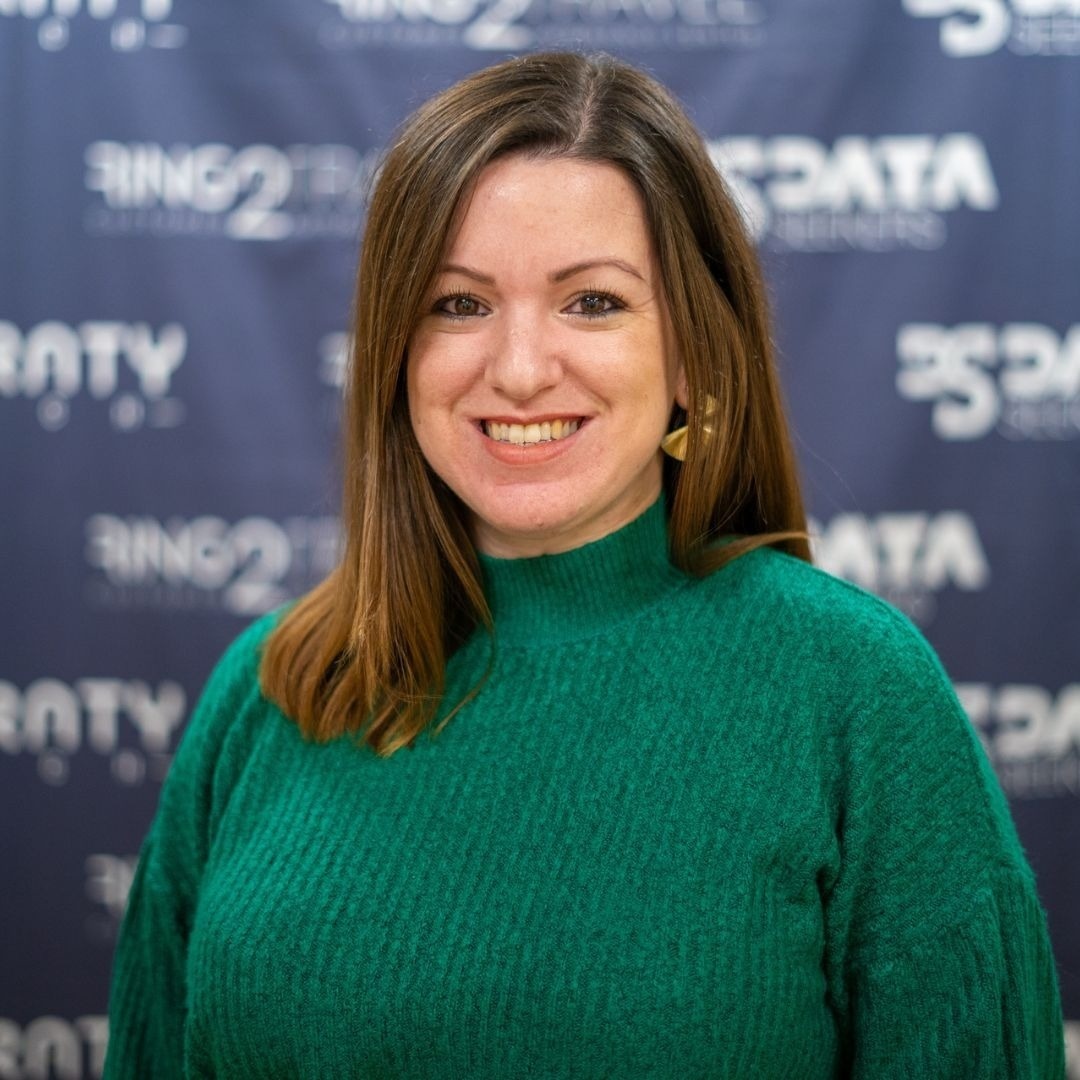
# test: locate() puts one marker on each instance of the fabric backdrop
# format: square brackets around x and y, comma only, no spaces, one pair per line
[182,186]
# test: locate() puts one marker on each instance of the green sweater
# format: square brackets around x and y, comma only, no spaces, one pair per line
[736,827]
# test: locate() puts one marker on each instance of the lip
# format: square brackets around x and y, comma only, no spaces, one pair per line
[534,453]
[539,418]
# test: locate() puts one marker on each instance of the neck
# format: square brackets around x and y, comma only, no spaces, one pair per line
[585,591]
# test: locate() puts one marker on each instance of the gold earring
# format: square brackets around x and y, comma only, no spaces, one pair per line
[675,443]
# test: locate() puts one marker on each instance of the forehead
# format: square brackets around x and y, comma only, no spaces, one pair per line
[552,208]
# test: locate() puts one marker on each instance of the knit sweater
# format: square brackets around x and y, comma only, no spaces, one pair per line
[734,827]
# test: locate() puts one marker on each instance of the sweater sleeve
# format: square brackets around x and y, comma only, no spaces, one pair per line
[937,952]
[147,1004]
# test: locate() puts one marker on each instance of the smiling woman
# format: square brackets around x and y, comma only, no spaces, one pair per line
[584,178]
[702,810]
[541,382]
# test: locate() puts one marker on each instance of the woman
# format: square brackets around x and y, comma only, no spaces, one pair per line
[694,809]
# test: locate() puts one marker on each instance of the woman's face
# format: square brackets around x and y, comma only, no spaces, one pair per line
[542,375]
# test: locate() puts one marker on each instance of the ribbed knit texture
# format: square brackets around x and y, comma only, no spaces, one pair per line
[736,827]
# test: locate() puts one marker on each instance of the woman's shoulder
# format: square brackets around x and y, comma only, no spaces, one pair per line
[231,699]
[775,589]
[831,638]
[829,652]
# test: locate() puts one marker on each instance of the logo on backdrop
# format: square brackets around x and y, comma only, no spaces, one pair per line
[1072,1049]
[907,558]
[526,24]
[108,882]
[870,193]
[132,24]
[1031,734]
[256,192]
[1021,380]
[245,567]
[125,368]
[1026,27]
[50,1046]
[333,359]
[126,721]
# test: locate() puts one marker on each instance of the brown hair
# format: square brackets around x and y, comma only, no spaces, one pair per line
[366,650]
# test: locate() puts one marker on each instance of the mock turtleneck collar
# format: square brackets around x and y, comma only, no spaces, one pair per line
[585,591]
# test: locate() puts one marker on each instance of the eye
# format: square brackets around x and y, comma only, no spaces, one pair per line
[459,306]
[595,304]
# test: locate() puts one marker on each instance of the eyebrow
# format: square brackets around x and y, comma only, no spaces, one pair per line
[591,264]
[457,268]
[555,278]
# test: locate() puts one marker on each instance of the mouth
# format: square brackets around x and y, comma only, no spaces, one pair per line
[531,434]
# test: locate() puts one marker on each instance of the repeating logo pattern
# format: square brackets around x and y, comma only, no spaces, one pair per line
[126,367]
[134,25]
[1021,379]
[500,25]
[50,1046]
[929,192]
[255,192]
[1026,27]
[207,563]
[132,725]
[1031,734]
[907,558]
[860,193]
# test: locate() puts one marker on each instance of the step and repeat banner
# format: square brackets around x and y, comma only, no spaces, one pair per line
[182,188]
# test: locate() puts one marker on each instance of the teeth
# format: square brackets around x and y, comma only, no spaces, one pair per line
[530,434]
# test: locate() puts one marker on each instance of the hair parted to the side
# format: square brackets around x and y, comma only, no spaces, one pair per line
[366,650]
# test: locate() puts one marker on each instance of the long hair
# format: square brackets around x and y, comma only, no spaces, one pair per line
[366,650]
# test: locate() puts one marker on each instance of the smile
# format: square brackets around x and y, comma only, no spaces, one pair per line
[528,434]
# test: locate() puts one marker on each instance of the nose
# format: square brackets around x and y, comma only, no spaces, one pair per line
[524,359]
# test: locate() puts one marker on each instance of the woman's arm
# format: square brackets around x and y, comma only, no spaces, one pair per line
[147,1007]
[938,957]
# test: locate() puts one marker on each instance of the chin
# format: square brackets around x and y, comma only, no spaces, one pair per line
[521,531]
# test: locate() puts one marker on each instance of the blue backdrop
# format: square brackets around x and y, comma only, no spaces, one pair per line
[182,187]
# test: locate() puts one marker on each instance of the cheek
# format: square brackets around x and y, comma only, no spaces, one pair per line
[659,384]
[422,407]
[438,373]
[426,389]
[437,386]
